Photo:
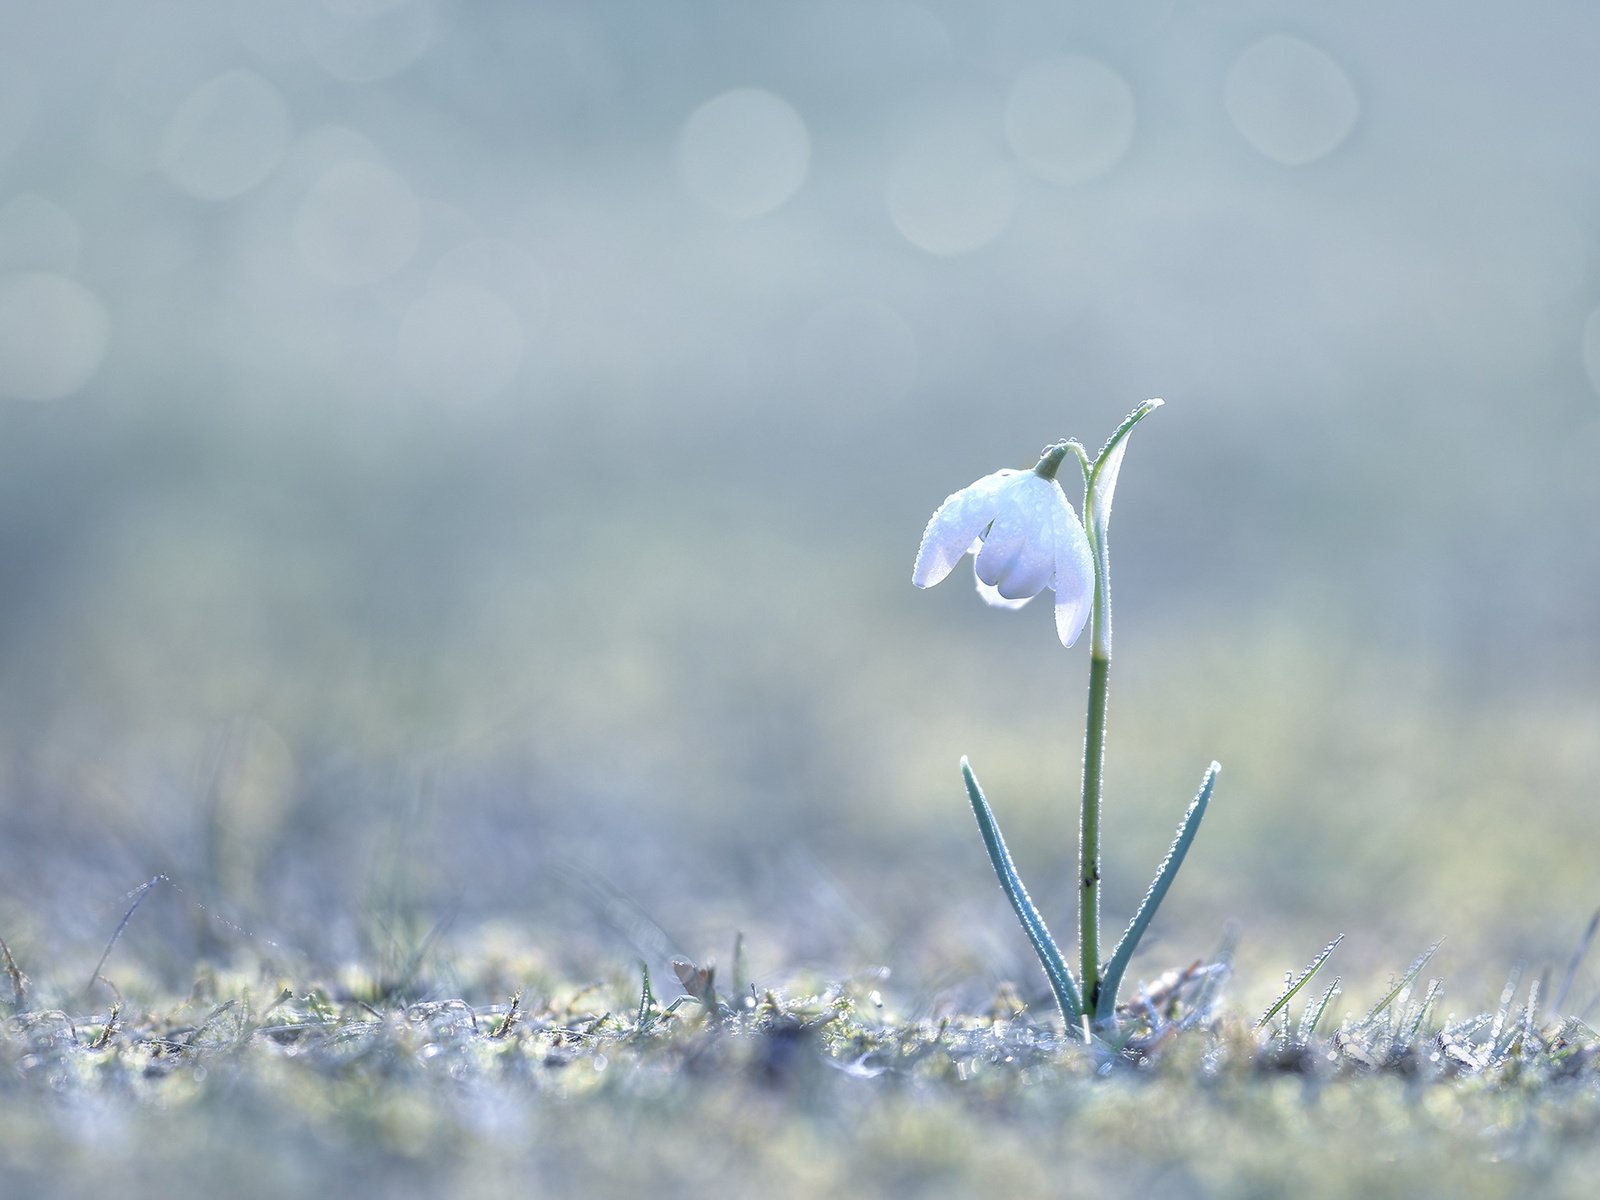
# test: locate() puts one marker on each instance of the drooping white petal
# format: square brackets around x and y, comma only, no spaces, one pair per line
[1003,541]
[955,525]
[992,597]
[1018,557]
[1074,574]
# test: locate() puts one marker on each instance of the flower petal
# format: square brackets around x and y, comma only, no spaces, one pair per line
[955,526]
[1074,581]
[992,597]
[1018,555]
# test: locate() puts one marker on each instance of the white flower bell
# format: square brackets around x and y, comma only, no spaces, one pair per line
[1021,527]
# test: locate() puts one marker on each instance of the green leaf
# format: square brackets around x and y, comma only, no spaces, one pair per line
[1404,982]
[1315,1011]
[1098,491]
[1111,980]
[1055,967]
[1294,987]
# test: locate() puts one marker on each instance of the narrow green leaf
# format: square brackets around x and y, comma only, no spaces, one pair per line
[1404,982]
[1099,487]
[1055,967]
[740,971]
[647,999]
[1108,463]
[1429,999]
[1561,997]
[1314,1012]
[1111,980]
[1295,985]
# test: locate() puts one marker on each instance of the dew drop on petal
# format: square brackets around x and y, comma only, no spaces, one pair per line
[744,153]
[951,191]
[359,223]
[53,334]
[1291,101]
[225,137]
[1069,119]
[459,344]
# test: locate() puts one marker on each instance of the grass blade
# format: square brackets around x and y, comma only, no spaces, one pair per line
[1295,985]
[1055,967]
[1507,995]
[1111,981]
[1402,984]
[1429,999]
[19,981]
[647,998]
[1315,1012]
[137,896]
[1577,957]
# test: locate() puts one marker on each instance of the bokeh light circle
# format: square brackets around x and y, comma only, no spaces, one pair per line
[53,335]
[363,41]
[359,223]
[18,104]
[226,136]
[1291,101]
[37,234]
[459,344]
[1591,349]
[1070,118]
[744,153]
[951,192]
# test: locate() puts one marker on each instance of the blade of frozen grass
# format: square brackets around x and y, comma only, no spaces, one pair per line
[1312,1017]
[1519,1036]
[1401,985]
[1577,958]
[647,999]
[19,981]
[1055,967]
[1111,980]
[1295,985]
[1429,999]
[137,895]
[1222,967]
[1507,995]
[740,971]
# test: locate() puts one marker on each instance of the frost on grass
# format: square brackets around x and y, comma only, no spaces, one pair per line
[286,1082]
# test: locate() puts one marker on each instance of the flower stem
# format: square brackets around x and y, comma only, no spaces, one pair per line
[1094,757]
[1099,482]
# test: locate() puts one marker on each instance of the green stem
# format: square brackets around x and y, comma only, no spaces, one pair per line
[1094,758]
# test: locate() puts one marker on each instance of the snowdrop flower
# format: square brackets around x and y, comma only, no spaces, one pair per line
[1025,536]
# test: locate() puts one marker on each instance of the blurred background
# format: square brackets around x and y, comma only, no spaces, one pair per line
[461,464]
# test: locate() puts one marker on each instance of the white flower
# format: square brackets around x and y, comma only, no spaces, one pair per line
[1026,537]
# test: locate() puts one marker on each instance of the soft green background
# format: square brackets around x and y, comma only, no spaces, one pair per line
[429,494]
